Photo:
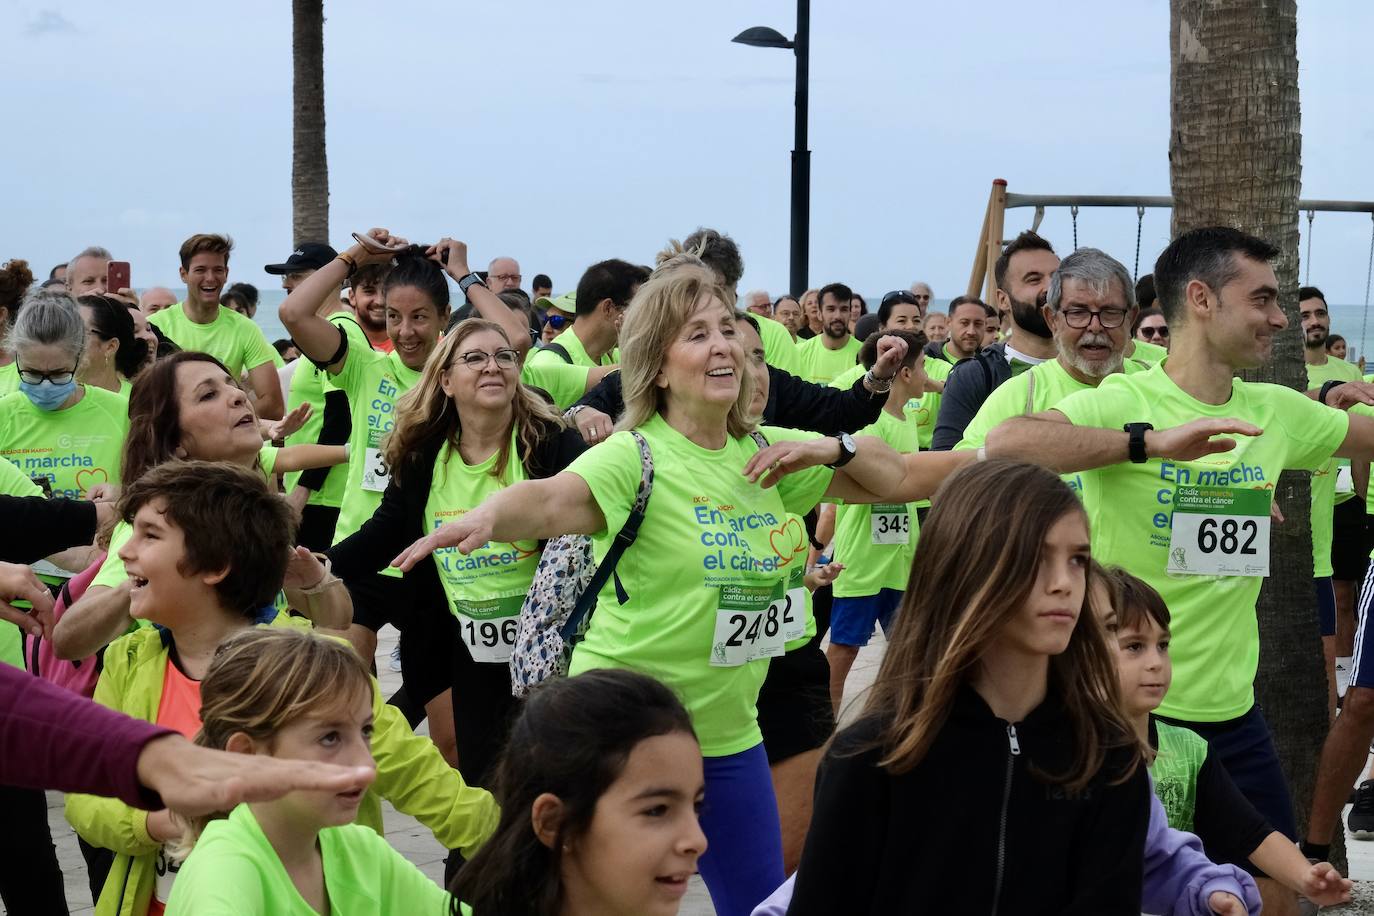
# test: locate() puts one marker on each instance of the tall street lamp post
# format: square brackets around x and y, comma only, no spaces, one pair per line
[764,37]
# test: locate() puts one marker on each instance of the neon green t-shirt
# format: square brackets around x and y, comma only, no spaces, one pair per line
[13,483]
[565,384]
[234,871]
[1052,384]
[231,338]
[1215,645]
[577,352]
[485,588]
[817,364]
[779,350]
[75,448]
[373,381]
[311,384]
[1325,477]
[1148,353]
[711,543]
[9,378]
[876,543]
[1174,772]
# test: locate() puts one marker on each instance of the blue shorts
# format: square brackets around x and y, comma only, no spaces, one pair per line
[1245,748]
[1326,605]
[852,619]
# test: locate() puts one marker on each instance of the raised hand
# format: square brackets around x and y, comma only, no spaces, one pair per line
[466,533]
[771,464]
[1194,439]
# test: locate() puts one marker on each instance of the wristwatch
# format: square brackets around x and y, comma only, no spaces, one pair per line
[466,282]
[847,450]
[1136,443]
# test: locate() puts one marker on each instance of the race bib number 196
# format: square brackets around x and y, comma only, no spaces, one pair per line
[1219,531]
[488,627]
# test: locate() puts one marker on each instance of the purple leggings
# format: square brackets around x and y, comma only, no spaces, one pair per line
[743,862]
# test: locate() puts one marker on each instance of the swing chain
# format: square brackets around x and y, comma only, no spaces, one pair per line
[1073,211]
[1310,215]
[1368,274]
[1139,225]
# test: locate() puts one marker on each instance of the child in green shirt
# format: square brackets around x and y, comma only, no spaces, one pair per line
[292,694]
[876,543]
[1196,791]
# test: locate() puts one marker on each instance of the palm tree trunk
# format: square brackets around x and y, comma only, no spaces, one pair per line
[1235,159]
[309,169]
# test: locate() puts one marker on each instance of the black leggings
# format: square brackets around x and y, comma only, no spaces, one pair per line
[30,879]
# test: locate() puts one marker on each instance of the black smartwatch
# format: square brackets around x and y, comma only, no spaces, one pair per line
[847,450]
[470,280]
[1326,389]
[1136,442]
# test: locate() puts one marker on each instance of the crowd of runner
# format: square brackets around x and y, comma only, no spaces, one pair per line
[634,537]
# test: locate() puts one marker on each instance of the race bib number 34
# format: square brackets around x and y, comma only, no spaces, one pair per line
[376,475]
[1219,531]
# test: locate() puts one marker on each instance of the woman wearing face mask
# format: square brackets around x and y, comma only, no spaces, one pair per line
[56,427]
[114,353]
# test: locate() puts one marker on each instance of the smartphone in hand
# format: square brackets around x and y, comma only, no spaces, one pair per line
[117,276]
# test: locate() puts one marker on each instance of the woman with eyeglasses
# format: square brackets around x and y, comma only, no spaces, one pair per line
[1151,336]
[114,352]
[55,427]
[466,430]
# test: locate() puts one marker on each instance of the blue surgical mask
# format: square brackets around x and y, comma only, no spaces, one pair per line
[48,395]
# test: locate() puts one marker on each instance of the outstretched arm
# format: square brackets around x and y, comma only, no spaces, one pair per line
[533,509]
[1049,439]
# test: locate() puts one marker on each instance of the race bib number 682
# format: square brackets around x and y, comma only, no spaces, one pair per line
[1220,531]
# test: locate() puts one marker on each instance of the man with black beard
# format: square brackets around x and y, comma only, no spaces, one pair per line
[1023,275]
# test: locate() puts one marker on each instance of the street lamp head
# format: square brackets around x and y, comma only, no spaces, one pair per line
[761,36]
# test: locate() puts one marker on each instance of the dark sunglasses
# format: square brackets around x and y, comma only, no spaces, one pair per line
[899,295]
[556,322]
[1155,332]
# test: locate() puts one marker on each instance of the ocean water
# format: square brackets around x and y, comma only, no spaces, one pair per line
[1350,321]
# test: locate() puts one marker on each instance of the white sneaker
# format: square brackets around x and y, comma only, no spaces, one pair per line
[395,664]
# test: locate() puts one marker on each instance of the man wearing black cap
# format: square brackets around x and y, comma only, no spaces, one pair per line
[321,490]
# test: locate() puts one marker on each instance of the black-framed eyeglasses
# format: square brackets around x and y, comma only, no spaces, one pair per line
[557,322]
[476,360]
[1081,318]
[1155,332]
[60,377]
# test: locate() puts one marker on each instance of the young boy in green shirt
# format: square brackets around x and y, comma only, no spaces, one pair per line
[1198,795]
[876,543]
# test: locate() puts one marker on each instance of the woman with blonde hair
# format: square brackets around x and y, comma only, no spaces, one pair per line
[695,600]
[467,429]
[996,715]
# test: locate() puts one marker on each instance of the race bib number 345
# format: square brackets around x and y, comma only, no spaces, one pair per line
[1219,531]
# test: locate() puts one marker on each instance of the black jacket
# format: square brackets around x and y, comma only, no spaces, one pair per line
[972,830]
[792,403]
[400,520]
[968,386]
[36,526]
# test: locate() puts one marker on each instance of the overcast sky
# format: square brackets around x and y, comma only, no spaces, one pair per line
[564,133]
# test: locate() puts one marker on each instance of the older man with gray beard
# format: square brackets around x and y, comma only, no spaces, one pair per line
[1089,310]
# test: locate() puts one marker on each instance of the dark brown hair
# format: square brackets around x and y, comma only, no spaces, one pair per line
[974,571]
[572,738]
[155,415]
[15,279]
[1134,600]
[230,521]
